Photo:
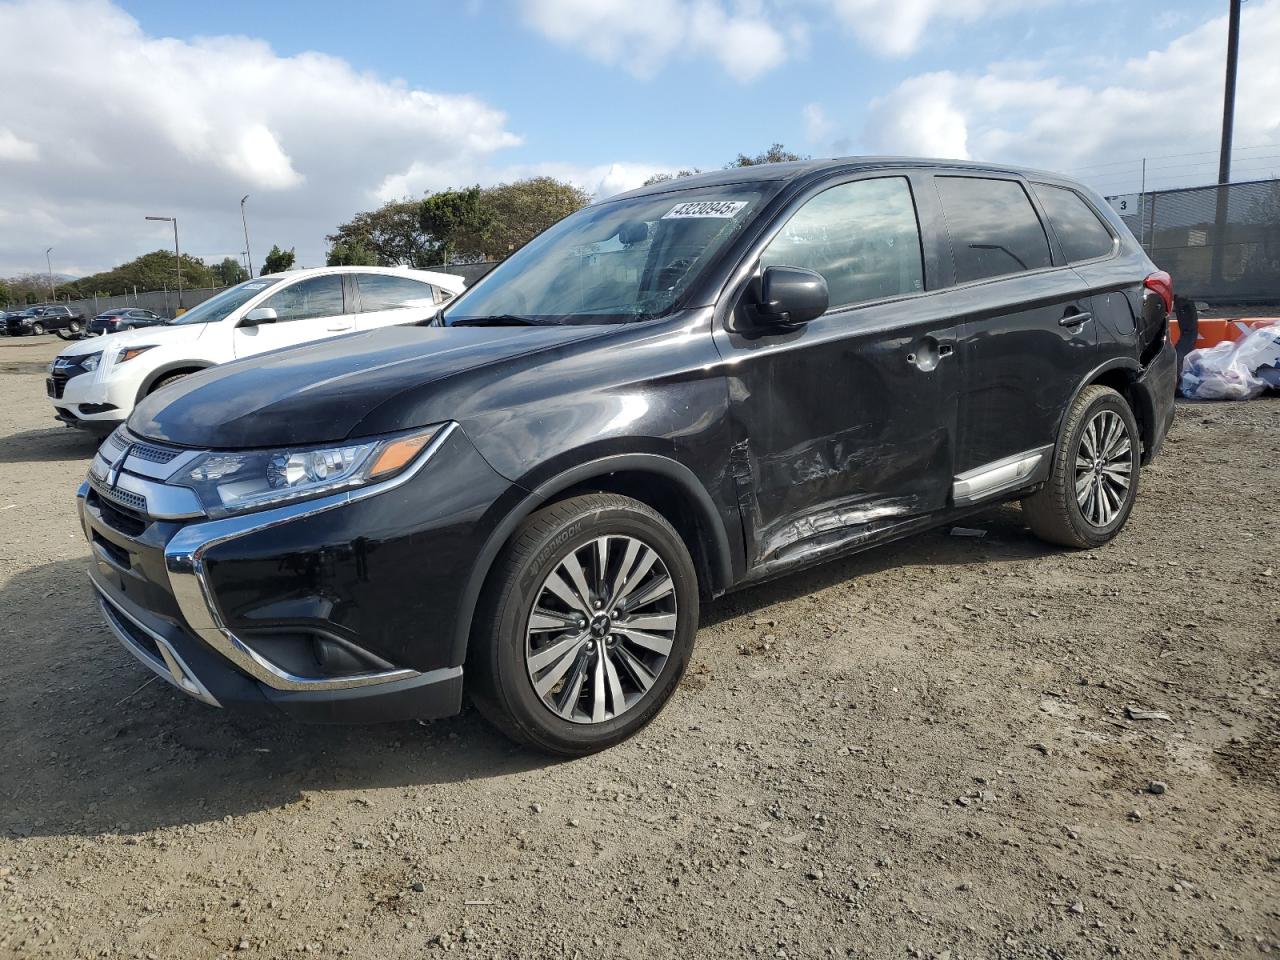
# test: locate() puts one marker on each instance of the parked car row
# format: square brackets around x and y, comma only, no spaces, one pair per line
[35,321]
[681,391]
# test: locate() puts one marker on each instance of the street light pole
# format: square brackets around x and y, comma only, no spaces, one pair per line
[49,266]
[176,252]
[245,223]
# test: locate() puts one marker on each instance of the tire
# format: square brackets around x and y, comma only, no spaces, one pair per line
[74,326]
[563,718]
[1057,513]
[37,329]
[165,381]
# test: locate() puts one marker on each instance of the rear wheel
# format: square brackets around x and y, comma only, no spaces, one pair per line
[1094,479]
[586,625]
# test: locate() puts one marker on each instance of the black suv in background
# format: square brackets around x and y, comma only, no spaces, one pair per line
[678,392]
[38,320]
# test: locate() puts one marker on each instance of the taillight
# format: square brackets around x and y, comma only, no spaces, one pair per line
[1161,284]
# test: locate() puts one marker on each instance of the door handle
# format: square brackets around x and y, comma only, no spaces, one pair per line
[1075,319]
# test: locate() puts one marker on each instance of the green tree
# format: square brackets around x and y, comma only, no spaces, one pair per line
[518,212]
[350,253]
[5,293]
[392,234]
[230,271]
[457,222]
[664,177]
[776,153]
[151,271]
[277,261]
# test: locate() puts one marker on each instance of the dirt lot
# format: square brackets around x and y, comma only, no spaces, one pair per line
[919,752]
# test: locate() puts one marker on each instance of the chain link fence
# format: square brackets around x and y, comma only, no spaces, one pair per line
[1220,243]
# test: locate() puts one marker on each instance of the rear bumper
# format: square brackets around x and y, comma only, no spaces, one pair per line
[1156,389]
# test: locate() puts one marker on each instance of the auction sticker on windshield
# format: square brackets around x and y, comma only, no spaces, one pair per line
[705,208]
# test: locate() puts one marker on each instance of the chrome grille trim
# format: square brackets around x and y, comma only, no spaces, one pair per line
[120,497]
[144,451]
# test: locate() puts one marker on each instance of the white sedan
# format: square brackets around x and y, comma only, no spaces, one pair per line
[93,384]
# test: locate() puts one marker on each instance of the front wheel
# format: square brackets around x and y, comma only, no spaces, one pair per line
[74,326]
[586,625]
[1094,479]
[37,329]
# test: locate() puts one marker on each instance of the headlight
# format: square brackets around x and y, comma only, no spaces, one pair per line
[90,362]
[236,482]
[128,353]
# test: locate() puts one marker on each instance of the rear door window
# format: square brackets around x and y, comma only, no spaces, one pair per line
[862,237]
[380,291]
[313,297]
[1080,231]
[993,227]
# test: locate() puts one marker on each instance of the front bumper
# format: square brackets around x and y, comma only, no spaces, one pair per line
[209,604]
[93,401]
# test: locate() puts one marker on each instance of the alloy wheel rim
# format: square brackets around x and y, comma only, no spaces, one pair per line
[601,629]
[1104,468]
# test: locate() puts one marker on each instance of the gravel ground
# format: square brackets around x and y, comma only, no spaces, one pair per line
[923,751]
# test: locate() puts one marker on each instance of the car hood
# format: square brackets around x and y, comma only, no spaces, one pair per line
[326,391]
[158,336]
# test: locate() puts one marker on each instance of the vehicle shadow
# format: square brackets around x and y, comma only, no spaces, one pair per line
[49,445]
[91,743]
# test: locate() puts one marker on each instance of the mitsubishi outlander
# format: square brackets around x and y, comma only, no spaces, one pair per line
[678,392]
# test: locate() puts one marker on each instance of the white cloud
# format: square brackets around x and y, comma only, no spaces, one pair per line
[165,126]
[746,38]
[14,149]
[816,124]
[1165,102]
[641,36]
[898,27]
[599,180]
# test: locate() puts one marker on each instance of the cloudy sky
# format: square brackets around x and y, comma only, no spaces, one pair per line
[321,109]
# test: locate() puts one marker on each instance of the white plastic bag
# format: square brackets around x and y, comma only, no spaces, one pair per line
[1229,371]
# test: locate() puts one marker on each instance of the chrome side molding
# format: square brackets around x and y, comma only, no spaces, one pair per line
[1010,473]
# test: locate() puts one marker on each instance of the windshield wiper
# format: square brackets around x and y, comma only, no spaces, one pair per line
[499,320]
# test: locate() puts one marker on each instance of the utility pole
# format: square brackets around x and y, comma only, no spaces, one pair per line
[245,223]
[1224,156]
[1229,92]
[49,266]
[176,252]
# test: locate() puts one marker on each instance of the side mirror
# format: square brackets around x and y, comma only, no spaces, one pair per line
[789,297]
[258,316]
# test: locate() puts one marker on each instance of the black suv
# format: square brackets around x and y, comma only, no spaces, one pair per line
[38,320]
[672,394]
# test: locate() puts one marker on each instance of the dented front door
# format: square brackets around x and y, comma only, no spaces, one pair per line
[845,428]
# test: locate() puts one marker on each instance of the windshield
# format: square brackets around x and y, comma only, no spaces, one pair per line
[613,262]
[220,307]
